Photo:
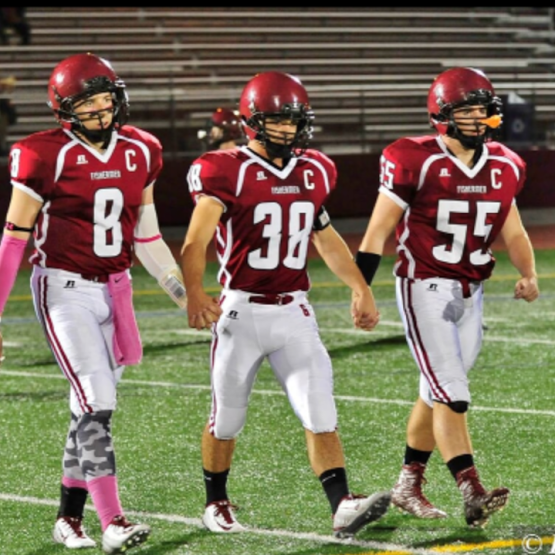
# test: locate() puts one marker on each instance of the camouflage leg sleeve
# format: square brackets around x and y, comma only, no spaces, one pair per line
[94,445]
[70,463]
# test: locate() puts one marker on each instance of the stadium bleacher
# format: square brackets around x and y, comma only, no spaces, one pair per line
[367,70]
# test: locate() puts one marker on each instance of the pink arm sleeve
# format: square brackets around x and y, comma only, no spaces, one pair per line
[11,254]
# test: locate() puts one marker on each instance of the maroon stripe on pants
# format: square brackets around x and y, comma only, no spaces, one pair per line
[419,348]
[56,346]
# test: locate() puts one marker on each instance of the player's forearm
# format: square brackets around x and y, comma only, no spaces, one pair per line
[339,259]
[156,257]
[11,255]
[374,241]
[521,254]
[193,266]
[351,276]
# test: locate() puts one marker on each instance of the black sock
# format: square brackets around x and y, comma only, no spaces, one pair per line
[215,484]
[72,502]
[414,455]
[456,464]
[334,482]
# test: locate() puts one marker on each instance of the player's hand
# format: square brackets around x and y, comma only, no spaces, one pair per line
[363,310]
[203,310]
[527,289]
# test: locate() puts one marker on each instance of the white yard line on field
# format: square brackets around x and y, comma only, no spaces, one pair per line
[373,333]
[196,522]
[349,398]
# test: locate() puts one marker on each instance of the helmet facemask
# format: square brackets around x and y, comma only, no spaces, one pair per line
[283,145]
[493,120]
[120,108]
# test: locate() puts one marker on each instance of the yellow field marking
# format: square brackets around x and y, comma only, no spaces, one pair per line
[496,544]
[386,553]
[532,542]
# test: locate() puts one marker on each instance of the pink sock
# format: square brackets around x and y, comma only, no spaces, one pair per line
[104,493]
[71,483]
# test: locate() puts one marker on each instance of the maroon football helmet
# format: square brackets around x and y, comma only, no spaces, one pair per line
[463,86]
[228,128]
[78,77]
[276,95]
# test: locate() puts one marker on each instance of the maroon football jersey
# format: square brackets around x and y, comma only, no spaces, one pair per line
[263,235]
[91,199]
[453,213]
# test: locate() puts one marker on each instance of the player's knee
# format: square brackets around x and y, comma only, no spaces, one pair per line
[228,424]
[460,407]
[317,412]
[99,418]
[319,423]
[318,431]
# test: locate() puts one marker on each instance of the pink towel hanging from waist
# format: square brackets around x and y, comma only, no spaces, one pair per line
[127,344]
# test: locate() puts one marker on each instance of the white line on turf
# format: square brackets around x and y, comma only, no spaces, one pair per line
[350,398]
[196,522]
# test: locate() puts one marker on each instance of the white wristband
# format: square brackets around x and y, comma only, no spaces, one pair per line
[172,283]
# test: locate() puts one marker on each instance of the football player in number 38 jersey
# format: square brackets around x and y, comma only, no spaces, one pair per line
[448,196]
[263,204]
[85,191]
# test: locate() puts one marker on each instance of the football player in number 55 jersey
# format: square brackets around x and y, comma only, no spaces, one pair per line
[85,191]
[264,203]
[448,196]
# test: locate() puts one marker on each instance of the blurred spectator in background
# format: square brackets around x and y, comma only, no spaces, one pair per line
[223,130]
[8,113]
[15,19]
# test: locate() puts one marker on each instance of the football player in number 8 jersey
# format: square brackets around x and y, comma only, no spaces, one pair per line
[85,191]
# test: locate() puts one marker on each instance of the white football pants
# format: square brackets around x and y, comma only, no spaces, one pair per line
[76,316]
[288,336]
[444,333]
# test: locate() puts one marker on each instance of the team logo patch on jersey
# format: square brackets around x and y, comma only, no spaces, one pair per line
[432,287]
[82,159]
[444,172]
[233,314]
[468,189]
[260,176]
[286,190]
[109,174]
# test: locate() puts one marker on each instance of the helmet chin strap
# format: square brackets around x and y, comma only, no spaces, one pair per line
[95,136]
[276,150]
[468,142]
[471,142]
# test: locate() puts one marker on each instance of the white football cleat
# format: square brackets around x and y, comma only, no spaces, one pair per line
[219,517]
[121,535]
[356,511]
[69,531]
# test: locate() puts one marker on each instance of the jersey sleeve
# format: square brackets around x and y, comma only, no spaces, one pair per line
[399,171]
[206,177]
[29,171]
[155,152]
[157,161]
[521,165]
[329,169]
